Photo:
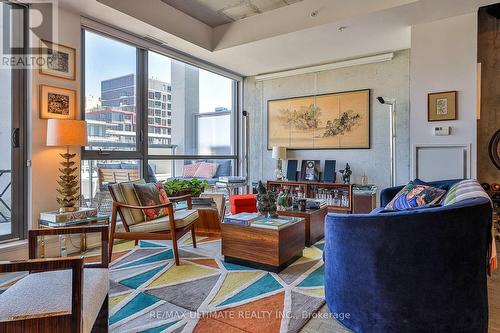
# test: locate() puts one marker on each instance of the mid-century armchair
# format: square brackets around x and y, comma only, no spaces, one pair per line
[173,226]
[59,295]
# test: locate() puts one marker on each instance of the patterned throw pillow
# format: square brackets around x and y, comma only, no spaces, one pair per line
[189,170]
[152,195]
[465,189]
[415,196]
[206,170]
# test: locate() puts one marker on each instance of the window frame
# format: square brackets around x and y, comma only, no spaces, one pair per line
[19,172]
[142,98]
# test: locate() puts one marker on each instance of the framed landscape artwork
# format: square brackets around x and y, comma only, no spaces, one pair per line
[442,106]
[59,60]
[330,121]
[58,103]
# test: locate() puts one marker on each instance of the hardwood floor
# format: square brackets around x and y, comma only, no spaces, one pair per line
[318,325]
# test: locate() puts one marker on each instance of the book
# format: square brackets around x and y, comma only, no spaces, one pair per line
[315,203]
[242,218]
[271,223]
[200,201]
[232,179]
[80,214]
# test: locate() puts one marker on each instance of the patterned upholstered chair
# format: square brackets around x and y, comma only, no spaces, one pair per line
[173,226]
[59,295]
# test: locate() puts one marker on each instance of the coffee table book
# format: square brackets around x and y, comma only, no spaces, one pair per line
[58,217]
[242,218]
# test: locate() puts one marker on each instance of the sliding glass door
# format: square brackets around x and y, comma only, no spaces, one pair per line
[12,124]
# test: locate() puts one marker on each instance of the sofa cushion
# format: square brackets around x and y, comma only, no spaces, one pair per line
[49,293]
[415,196]
[182,218]
[465,189]
[224,169]
[125,193]
[189,170]
[152,195]
[206,170]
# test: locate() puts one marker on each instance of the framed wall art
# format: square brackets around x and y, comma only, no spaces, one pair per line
[329,121]
[59,60]
[442,106]
[58,103]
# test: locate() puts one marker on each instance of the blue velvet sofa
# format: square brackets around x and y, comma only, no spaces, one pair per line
[421,270]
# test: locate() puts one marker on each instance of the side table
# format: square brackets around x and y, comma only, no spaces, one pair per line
[98,220]
[314,222]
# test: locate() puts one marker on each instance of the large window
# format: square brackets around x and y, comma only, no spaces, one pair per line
[156,121]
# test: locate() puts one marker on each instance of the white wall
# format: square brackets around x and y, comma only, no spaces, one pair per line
[45,160]
[390,79]
[443,57]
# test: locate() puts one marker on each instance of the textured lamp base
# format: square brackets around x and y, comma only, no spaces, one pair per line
[68,184]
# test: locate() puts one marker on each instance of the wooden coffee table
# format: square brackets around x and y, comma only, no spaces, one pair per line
[267,249]
[314,223]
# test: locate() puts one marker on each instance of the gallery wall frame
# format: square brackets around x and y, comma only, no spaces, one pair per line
[60,60]
[57,102]
[442,106]
[336,127]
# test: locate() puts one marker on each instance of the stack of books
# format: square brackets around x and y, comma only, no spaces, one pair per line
[244,219]
[205,202]
[316,203]
[271,223]
[58,217]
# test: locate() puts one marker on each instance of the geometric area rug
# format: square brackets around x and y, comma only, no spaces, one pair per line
[148,293]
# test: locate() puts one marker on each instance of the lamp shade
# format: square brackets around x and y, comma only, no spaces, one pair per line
[279,153]
[66,132]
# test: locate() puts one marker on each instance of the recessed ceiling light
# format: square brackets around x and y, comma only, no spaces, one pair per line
[342,28]
[314,13]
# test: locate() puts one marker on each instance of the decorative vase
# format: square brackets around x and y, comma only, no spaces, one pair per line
[266,201]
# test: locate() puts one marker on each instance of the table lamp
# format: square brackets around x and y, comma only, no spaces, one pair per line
[279,154]
[67,133]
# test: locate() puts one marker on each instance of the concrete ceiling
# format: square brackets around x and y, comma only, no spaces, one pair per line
[219,12]
[283,38]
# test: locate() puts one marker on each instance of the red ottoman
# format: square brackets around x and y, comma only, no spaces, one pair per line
[243,203]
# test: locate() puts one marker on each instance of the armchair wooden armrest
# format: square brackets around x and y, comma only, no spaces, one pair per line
[186,197]
[73,263]
[33,234]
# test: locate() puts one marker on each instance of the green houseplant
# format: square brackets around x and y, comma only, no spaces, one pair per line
[177,187]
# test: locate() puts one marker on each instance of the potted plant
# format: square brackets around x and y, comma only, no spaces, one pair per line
[178,187]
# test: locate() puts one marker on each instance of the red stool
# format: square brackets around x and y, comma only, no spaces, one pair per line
[243,203]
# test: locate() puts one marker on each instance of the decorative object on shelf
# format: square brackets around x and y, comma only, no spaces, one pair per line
[284,200]
[279,154]
[58,60]
[346,174]
[68,133]
[302,205]
[329,121]
[266,201]
[179,187]
[442,106]
[57,103]
[494,149]
[495,187]
[486,186]
[291,170]
[329,175]
[310,171]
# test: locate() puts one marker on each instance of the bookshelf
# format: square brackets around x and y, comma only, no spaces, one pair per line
[338,196]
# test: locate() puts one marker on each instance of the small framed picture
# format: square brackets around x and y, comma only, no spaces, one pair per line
[58,103]
[442,106]
[59,60]
[310,171]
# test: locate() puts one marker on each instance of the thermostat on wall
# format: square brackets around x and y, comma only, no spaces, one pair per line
[441,130]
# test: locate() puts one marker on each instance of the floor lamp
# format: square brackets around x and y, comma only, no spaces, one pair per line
[392,134]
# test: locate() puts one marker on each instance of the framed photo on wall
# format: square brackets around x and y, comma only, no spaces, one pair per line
[59,60]
[327,121]
[58,103]
[442,106]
